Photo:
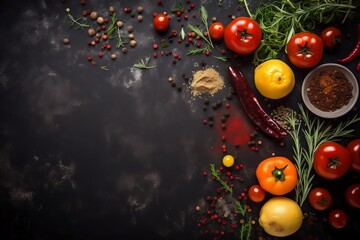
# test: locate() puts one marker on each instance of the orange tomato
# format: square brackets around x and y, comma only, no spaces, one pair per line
[277,175]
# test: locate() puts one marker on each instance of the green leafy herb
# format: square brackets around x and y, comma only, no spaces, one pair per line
[120,43]
[240,207]
[198,50]
[182,34]
[245,230]
[79,22]
[222,58]
[281,19]
[179,8]
[144,64]
[314,133]
[216,173]
[105,68]
[113,25]
[199,32]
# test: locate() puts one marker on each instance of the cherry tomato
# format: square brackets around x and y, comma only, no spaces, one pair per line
[320,198]
[216,31]
[256,193]
[305,49]
[338,218]
[332,160]
[242,35]
[161,22]
[354,148]
[277,175]
[352,195]
[228,161]
[330,36]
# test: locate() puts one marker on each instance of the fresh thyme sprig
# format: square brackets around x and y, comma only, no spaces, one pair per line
[144,64]
[80,22]
[216,173]
[105,68]
[315,132]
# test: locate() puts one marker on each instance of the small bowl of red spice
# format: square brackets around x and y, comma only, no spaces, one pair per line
[330,90]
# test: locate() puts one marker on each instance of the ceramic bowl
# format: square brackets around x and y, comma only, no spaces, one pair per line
[338,112]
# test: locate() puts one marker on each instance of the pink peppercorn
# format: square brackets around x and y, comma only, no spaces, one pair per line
[155,46]
[100,54]
[155,55]
[89,58]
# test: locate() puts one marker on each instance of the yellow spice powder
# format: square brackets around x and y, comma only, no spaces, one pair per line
[206,81]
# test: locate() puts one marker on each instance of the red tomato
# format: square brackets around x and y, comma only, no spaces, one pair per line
[305,49]
[352,195]
[338,219]
[216,31]
[354,148]
[242,35]
[332,160]
[161,22]
[256,193]
[330,36]
[320,198]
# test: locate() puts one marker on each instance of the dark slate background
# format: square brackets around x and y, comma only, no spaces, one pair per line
[119,154]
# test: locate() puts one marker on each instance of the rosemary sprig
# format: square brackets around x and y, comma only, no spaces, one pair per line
[144,64]
[80,21]
[315,133]
[245,230]
[240,207]
[216,173]
[198,50]
[121,43]
[222,58]
[113,25]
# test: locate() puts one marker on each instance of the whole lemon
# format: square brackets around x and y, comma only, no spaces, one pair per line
[274,79]
[280,216]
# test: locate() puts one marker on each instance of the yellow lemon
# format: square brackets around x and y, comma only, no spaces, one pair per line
[228,160]
[274,79]
[280,216]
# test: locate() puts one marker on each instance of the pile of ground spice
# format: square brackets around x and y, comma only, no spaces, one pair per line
[281,114]
[329,90]
[206,81]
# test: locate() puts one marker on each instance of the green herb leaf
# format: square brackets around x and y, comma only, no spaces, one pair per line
[79,22]
[216,174]
[144,64]
[179,8]
[105,68]
[222,58]
[182,34]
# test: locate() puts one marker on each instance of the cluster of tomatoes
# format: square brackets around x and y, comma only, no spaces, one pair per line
[332,161]
[243,36]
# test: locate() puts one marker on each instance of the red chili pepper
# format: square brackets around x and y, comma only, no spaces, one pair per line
[355,52]
[252,105]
